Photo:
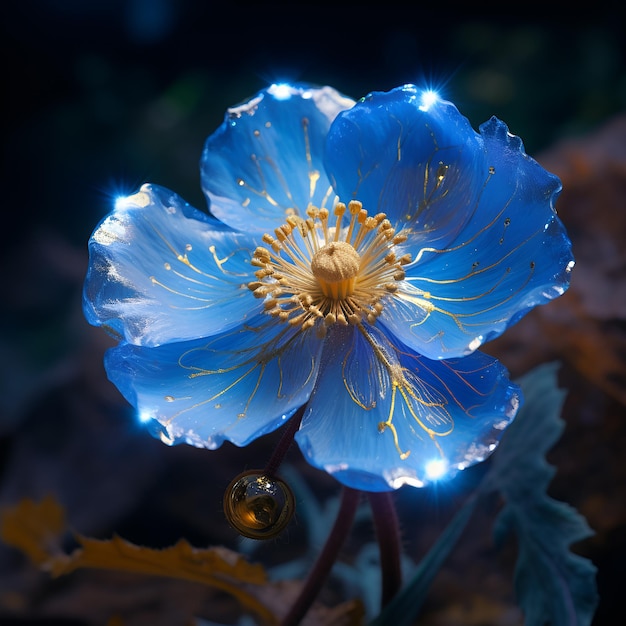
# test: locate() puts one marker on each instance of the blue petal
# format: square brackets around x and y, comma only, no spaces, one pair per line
[420,162]
[382,416]
[161,271]
[265,160]
[514,254]
[235,386]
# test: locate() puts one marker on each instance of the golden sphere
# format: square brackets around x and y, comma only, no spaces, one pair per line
[258,506]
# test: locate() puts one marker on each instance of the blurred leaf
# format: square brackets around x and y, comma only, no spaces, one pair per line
[553,585]
[35,528]
[518,467]
[216,567]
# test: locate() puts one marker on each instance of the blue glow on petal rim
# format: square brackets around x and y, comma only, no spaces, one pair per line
[140,198]
[428,99]
[144,416]
[281,91]
[436,469]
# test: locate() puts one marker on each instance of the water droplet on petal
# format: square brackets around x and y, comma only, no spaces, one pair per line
[258,506]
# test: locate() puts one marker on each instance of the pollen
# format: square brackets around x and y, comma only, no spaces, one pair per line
[338,267]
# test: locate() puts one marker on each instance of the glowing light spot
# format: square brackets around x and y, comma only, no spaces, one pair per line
[144,417]
[475,343]
[121,202]
[411,481]
[429,98]
[141,199]
[436,468]
[281,91]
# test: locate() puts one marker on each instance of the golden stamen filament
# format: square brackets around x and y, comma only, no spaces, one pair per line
[312,273]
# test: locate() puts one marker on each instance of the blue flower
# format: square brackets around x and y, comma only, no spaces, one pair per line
[354,258]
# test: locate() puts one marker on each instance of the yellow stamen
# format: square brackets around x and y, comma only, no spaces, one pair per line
[313,274]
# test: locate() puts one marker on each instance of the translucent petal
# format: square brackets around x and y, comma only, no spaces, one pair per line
[235,386]
[265,160]
[161,271]
[512,255]
[382,416]
[418,161]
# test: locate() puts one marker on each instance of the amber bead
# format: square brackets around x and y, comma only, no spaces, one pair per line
[258,506]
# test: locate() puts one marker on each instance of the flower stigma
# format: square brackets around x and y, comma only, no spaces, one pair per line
[318,272]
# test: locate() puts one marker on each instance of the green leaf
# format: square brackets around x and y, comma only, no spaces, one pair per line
[553,585]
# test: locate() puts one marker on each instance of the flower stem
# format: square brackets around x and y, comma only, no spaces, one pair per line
[388,535]
[317,576]
[284,443]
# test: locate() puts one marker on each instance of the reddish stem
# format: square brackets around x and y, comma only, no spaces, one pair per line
[284,443]
[389,542]
[325,561]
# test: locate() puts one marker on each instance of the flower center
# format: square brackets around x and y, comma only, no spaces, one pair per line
[336,267]
[318,271]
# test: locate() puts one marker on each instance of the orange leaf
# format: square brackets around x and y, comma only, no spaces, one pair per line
[35,528]
[216,567]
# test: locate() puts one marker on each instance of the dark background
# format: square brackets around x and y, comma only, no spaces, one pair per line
[102,96]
